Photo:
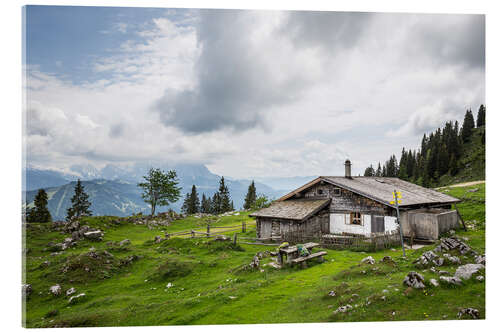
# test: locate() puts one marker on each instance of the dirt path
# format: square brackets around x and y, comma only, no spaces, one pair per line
[464,184]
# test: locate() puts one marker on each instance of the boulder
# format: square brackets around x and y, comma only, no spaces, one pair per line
[452,259]
[343,309]
[368,260]
[466,271]
[451,280]
[469,313]
[55,290]
[125,242]
[434,282]
[414,280]
[479,259]
[70,291]
[27,289]
[426,259]
[93,235]
[448,244]
[77,298]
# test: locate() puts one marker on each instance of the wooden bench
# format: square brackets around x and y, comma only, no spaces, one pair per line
[292,252]
[303,260]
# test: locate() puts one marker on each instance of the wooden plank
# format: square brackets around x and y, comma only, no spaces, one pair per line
[311,256]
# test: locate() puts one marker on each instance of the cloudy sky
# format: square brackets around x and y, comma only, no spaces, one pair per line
[247,93]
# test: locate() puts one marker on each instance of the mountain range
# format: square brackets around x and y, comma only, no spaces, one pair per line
[113,190]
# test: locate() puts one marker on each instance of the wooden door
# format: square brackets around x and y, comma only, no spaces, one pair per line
[275,230]
[377,224]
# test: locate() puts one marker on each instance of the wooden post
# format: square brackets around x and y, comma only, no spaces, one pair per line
[243,227]
[235,238]
[192,233]
[208,230]
[460,217]
[167,236]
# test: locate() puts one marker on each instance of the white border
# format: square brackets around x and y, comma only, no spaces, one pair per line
[11,150]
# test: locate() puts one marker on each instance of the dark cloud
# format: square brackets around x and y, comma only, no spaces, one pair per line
[330,31]
[449,40]
[242,75]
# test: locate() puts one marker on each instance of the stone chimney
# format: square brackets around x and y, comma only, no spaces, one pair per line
[347,169]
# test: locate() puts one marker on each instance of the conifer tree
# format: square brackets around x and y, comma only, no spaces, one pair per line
[80,203]
[369,172]
[205,204]
[224,197]
[250,197]
[194,201]
[40,213]
[379,171]
[215,204]
[481,116]
[186,203]
[467,126]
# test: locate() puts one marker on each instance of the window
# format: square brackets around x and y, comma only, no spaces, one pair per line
[356,218]
[320,192]
[336,191]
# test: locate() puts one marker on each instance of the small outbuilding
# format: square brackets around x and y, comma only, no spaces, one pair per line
[358,206]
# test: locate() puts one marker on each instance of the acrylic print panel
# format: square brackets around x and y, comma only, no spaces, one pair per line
[209,166]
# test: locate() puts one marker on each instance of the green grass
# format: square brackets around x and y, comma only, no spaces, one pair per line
[210,288]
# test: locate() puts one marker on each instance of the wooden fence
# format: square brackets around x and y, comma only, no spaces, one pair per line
[210,231]
[373,242]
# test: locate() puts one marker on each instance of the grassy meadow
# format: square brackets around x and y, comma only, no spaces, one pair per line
[183,281]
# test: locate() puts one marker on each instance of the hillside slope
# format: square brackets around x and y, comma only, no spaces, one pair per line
[472,163]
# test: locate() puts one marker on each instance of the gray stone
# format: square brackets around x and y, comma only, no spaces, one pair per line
[480,278]
[414,280]
[426,258]
[479,259]
[70,291]
[77,298]
[94,235]
[332,293]
[368,260]
[343,309]
[451,280]
[55,290]
[157,239]
[466,271]
[452,259]
[27,289]
[444,273]
[125,242]
[434,282]
[468,313]
[438,262]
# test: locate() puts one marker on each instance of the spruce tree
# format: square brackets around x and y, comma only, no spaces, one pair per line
[379,171]
[186,204]
[224,197]
[369,172]
[80,203]
[205,206]
[194,201]
[250,197]
[481,116]
[467,126]
[215,204]
[40,213]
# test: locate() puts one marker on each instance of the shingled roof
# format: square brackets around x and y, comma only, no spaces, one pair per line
[380,189]
[295,209]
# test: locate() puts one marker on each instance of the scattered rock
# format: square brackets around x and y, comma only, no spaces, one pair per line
[77,298]
[448,244]
[255,262]
[438,262]
[170,285]
[332,293]
[55,290]
[368,260]
[387,259]
[452,259]
[479,259]
[94,235]
[70,291]
[124,242]
[414,280]
[157,239]
[343,309]
[473,189]
[425,259]
[468,313]
[480,278]
[27,289]
[451,280]
[434,282]
[444,273]
[466,271]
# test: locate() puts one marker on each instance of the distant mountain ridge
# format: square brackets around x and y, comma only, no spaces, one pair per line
[113,190]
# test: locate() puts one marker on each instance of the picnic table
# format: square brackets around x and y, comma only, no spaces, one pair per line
[292,254]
